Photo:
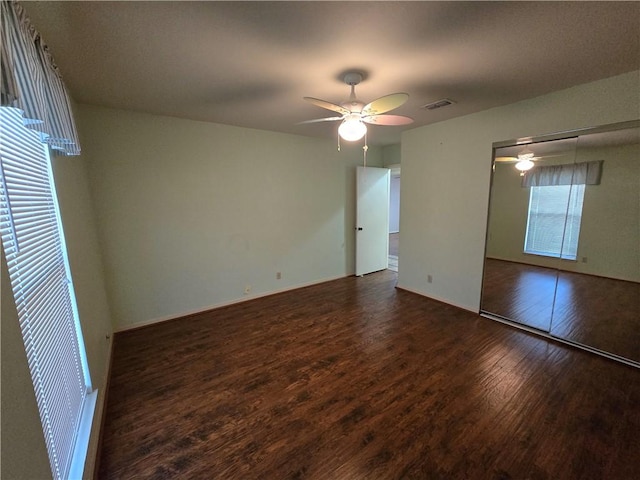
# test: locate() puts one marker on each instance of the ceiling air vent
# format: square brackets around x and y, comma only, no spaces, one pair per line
[439,104]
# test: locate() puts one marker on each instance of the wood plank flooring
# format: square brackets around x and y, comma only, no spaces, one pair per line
[354,379]
[603,313]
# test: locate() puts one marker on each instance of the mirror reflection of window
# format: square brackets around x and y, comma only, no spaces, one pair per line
[553,230]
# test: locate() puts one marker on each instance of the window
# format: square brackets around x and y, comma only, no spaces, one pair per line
[36,257]
[553,224]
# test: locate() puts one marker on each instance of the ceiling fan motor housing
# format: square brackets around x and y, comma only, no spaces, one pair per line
[352,78]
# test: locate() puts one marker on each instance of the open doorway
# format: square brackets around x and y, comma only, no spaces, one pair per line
[394,218]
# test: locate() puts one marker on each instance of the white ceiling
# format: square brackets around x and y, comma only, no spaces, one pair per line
[250,63]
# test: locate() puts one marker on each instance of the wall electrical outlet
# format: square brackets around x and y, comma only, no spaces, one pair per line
[278,275]
[247,289]
[429,279]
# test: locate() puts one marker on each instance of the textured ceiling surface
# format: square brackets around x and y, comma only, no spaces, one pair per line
[250,63]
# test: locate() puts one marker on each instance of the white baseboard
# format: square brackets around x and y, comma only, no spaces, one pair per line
[442,300]
[248,298]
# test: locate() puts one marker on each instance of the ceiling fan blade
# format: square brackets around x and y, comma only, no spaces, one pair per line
[387,120]
[316,120]
[551,155]
[384,104]
[328,105]
[506,159]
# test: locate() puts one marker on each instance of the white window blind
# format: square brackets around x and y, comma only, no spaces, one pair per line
[553,224]
[36,257]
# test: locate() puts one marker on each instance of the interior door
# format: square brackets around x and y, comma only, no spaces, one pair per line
[372,219]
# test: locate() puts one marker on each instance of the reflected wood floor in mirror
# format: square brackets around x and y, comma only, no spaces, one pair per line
[520,292]
[603,313]
[355,379]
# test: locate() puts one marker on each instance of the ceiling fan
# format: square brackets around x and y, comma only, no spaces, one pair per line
[354,114]
[524,161]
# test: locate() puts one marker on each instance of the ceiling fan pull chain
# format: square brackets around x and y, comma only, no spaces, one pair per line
[364,149]
[338,142]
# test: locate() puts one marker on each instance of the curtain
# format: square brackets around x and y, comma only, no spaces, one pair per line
[32,82]
[8,88]
[585,173]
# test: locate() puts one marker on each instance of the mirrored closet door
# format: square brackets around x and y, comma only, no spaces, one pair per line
[563,238]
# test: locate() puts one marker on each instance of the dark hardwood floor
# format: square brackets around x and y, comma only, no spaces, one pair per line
[603,313]
[354,379]
[520,292]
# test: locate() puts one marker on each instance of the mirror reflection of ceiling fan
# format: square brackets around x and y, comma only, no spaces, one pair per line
[354,114]
[524,161]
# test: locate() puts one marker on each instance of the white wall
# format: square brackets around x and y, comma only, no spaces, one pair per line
[391,158]
[394,205]
[445,183]
[190,213]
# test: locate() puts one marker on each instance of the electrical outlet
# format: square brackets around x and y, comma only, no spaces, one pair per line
[429,279]
[247,289]
[584,259]
[278,275]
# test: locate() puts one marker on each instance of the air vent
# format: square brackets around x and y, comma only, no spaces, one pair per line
[439,104]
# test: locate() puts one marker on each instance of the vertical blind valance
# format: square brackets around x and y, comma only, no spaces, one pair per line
[584,173]
[32,82]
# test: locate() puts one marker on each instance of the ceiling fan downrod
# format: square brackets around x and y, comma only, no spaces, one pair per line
[353,79]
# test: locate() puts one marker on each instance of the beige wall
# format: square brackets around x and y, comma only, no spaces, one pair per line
[611,219]
[85,260]
[391,154]
[191,213]
[446,170]
[610,229]
[87,272]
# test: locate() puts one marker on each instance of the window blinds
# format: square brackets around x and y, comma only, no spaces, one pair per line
[34,248]
[553,224]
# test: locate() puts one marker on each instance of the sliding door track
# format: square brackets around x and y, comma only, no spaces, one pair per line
[548,336]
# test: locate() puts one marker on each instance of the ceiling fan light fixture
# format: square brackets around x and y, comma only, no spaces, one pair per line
[524,165]
[352,128]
